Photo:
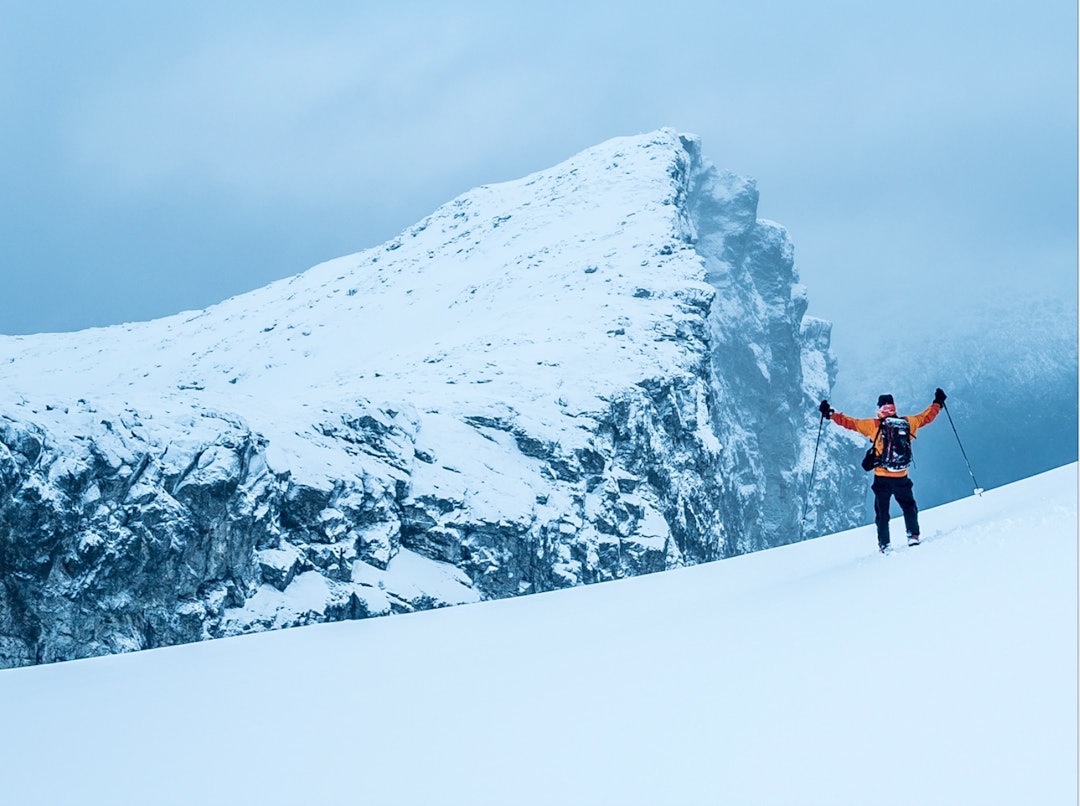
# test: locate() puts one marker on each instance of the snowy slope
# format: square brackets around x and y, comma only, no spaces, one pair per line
[817,673]
[499,288]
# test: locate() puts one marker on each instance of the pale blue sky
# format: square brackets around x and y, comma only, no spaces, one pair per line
[156,157]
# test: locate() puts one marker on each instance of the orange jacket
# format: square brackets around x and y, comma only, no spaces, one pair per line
[869,429]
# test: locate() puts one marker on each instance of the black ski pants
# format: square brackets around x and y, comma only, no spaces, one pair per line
[885,488]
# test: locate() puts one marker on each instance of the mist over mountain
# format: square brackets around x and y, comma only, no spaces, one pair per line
[1010,369]
[600,370]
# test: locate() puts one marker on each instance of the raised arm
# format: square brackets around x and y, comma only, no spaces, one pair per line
[868,428]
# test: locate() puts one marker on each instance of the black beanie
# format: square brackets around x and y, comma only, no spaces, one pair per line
[884,400]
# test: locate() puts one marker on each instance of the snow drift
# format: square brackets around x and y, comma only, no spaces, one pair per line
[597,371]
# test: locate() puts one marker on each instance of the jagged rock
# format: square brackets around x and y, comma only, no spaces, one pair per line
[601,370]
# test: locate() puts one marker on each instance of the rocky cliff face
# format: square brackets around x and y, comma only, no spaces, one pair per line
[600,370]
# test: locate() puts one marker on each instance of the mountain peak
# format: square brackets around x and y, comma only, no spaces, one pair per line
[594,371]
[534,262]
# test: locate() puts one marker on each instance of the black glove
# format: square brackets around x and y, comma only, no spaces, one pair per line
[939,396]
[826,412]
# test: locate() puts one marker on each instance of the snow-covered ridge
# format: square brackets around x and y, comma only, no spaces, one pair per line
[599,370]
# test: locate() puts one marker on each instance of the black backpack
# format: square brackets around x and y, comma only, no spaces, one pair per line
[895,453]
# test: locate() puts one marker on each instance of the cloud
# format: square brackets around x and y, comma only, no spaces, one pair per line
[925,141]
[260,110]
[313,114]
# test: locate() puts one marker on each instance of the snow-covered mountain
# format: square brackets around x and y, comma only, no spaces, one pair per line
[597,371]
[818,673]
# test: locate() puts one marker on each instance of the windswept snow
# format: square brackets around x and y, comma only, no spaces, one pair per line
[816,673]
[495,290]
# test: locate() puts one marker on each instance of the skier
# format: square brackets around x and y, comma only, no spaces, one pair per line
[890,457]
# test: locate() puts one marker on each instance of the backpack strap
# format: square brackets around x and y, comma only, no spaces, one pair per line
[872,458]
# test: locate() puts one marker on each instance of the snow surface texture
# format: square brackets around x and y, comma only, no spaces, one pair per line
[597,371]
[819,673]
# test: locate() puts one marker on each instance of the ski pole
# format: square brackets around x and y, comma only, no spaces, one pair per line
[813,469]
[978,489]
